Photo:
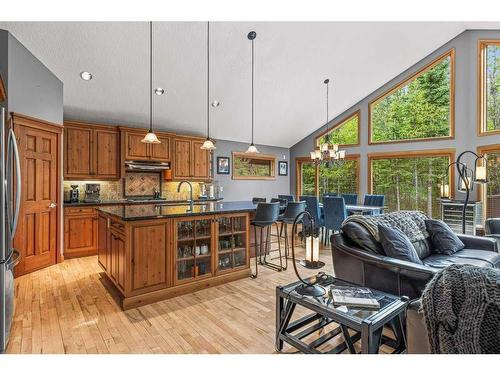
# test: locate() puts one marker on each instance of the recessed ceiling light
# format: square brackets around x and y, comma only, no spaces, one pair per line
[86,76]
[215,104]
[159,91]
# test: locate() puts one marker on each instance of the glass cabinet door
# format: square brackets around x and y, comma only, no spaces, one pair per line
[194,249]
[231,242]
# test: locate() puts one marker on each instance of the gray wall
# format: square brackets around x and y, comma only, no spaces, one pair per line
[466,137]
[246,189]
[4,37]
[33,90]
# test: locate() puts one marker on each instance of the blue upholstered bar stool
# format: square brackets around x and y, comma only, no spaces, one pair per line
[350,199]
[288,217]
[266,215]
[335,214]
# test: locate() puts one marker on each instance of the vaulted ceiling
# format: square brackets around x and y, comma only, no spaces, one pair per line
[291,61]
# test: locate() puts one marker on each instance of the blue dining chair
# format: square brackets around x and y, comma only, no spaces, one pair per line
[335,213]
[289,198]
[350,199]
[374,200]
[312,206]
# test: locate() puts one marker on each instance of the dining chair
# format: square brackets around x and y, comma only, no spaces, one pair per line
[258,200]
[312,206]
[350,199]
[289,198]
[335,213]
[374,200]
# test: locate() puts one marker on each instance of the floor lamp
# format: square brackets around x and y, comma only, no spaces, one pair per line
[468,177]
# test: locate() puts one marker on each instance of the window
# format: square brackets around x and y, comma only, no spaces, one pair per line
[317,180]
[410,180]
[489,86]
[344,133]
[253,167]
[339,179]
[489,194]
[306,177]
[422,107]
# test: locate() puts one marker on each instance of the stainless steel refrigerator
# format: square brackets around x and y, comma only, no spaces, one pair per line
[9,214]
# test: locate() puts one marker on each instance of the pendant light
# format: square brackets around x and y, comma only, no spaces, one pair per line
[252,149]
[150,137]
[208,144]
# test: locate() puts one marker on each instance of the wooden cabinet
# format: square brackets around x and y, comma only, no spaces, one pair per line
[91,151]
[80,232]
[232,237]
[134,149]
[190,161]
[117,259]
[104,241]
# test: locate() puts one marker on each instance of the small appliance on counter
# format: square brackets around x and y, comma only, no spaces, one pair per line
[74,194]
[210,190]
[92,193]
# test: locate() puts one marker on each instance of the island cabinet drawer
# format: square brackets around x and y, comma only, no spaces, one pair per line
[149,261]
[79,211]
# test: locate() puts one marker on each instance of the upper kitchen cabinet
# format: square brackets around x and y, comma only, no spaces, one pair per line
[91,151]
[134,149]
[190,161]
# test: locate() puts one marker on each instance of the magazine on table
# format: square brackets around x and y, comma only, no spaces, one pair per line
[352,296]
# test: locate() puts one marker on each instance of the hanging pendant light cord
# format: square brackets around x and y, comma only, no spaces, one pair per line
[150,76]
[252,88]
[208,80]
[327,81]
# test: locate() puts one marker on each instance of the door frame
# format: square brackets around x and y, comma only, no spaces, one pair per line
[16,120]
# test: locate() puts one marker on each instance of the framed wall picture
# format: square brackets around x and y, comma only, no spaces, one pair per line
[282,168]
[223,165]
[253,166]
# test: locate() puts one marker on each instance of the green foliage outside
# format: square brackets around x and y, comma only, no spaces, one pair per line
[493,172]
[420,109]
[338,179]
[410,183]
[344,134]
[252,167]
[308,173]
[493,88]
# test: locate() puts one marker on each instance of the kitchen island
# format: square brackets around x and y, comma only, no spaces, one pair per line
[152,252]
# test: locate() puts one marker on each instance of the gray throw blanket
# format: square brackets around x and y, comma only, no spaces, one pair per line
[461,305]
[411,223]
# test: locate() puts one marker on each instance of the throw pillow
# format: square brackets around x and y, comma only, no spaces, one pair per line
[445,241]
[397,245]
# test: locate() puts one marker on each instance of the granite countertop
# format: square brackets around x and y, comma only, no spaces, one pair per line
[131,202]
[133,212]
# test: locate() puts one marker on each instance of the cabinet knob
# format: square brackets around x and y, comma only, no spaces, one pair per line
[52,205]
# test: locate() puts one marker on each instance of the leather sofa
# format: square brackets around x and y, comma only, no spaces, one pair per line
[359,258]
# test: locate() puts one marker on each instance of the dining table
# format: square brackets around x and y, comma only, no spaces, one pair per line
[358,209]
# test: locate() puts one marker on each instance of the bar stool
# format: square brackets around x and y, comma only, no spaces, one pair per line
[266,215]
[288,217]
[256,200]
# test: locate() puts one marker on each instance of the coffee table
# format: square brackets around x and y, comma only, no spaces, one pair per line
[367,324]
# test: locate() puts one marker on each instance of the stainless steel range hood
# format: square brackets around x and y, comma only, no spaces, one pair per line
[136,165]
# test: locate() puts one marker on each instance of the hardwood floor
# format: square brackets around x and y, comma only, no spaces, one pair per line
[67,308]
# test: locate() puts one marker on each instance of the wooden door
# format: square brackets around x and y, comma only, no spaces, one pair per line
[37,233]
[161,151]
[80,233]
[106,154]
[134,148]
[77,152]
[182,158]
[200,164]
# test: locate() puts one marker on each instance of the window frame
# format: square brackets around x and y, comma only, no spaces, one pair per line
[450,152]
[481,196]
[270,158]
[305,159]
[450,53]
[338,125]
[482,45]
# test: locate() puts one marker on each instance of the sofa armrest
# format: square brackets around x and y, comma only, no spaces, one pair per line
[479,243]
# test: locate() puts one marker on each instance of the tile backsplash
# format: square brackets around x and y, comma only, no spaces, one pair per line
[113,190]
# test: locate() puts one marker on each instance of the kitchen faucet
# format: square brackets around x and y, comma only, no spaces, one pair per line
[190,193]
